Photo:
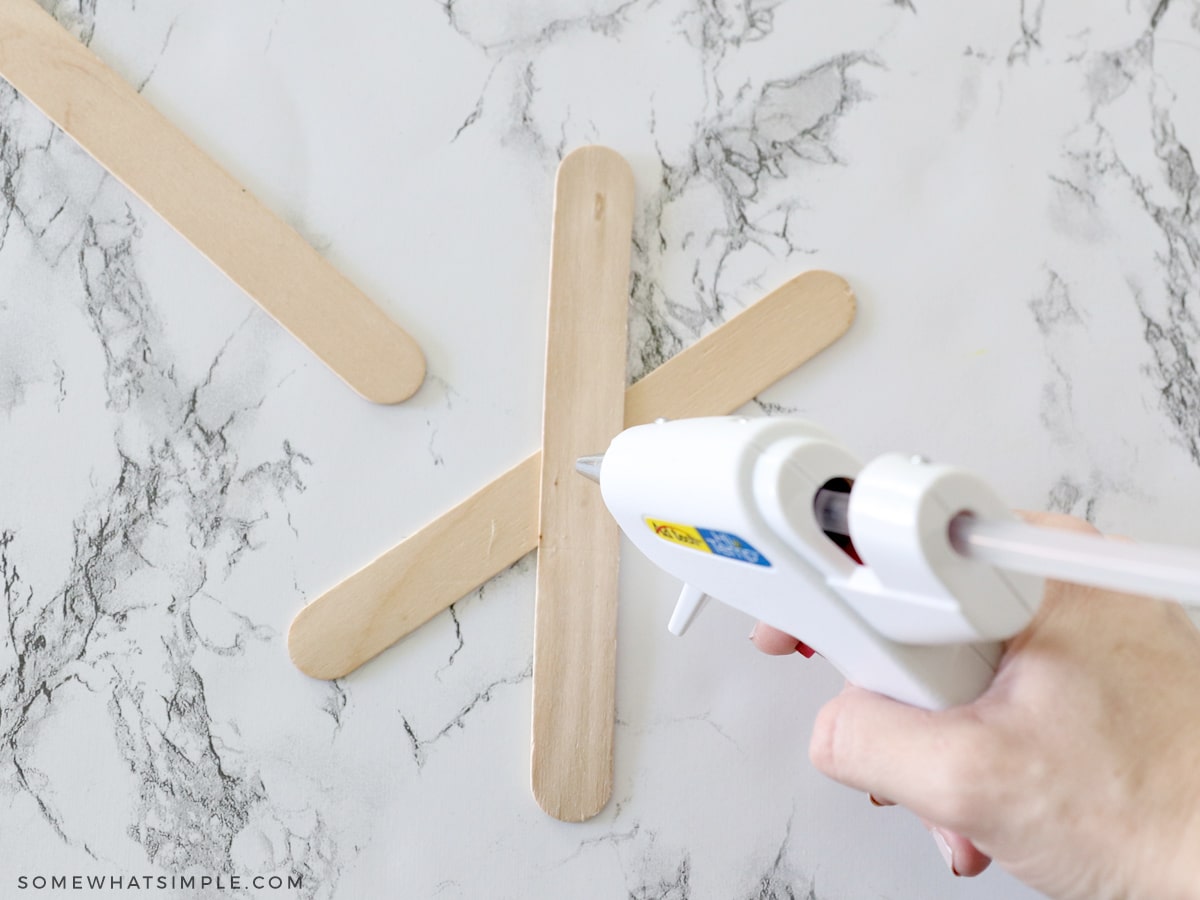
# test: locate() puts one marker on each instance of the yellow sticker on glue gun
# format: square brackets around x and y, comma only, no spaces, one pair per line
[708,540]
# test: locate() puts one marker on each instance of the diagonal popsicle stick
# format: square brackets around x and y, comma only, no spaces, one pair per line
[259,252]
[575,618]
[498,524]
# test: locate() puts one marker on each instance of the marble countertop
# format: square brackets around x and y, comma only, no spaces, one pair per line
[1007,184]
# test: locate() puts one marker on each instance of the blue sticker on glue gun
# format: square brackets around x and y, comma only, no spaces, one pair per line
[708,540]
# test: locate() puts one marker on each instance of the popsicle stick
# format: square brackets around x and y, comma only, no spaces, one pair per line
[493,528]
[260,253]
[575,618]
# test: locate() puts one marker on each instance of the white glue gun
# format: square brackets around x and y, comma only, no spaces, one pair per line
[936,571]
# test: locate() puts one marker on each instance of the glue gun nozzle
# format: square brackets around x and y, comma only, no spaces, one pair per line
[589,467]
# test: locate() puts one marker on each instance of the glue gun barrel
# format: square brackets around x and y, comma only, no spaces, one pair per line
[1085,559]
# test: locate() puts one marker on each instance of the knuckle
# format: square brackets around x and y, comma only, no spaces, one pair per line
[822,751]
[1060,521]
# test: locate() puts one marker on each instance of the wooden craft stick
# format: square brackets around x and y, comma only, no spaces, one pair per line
[494,527]
[575,618]
[261,254]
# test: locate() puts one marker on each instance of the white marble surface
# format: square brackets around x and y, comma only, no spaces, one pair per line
[1006,183]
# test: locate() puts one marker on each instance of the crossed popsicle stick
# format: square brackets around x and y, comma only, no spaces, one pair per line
[486,533]
[494,527]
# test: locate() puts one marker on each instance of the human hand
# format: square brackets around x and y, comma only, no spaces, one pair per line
[1078,770]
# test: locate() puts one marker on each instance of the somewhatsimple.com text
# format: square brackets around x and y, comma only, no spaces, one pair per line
[159,882]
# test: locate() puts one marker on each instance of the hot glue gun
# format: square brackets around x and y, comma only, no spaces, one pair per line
[906,575]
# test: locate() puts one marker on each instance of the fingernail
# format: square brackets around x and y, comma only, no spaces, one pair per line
[875,801]
[754,631]
[944,849]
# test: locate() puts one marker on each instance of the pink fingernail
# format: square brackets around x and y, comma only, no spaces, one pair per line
[944,848]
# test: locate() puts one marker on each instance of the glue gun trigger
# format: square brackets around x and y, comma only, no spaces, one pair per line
[773,642]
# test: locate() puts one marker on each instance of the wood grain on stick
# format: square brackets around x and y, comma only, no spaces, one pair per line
[259,252]
[494,527]
[575,618]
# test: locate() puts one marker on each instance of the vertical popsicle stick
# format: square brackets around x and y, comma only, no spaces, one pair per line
[260,253]
[575,620]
